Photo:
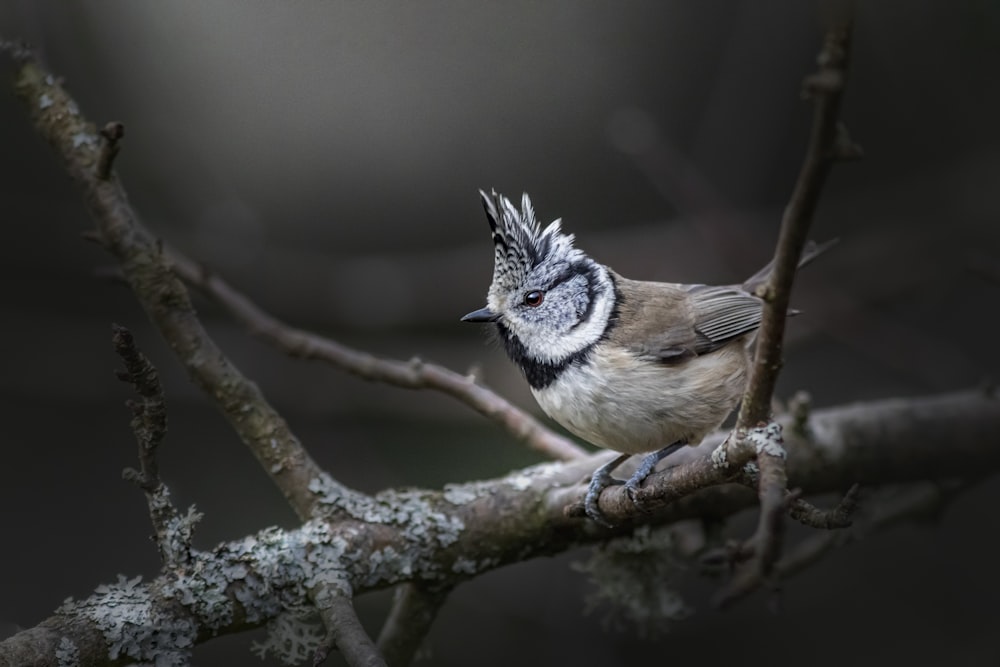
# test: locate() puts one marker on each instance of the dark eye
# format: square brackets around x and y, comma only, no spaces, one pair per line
[534,298]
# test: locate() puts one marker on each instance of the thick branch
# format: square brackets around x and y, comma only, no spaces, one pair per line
[163,296]
[437,538]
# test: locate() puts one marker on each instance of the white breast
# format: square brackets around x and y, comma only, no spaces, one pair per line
[631,405]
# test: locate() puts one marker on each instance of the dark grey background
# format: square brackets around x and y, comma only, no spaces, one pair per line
[325,158]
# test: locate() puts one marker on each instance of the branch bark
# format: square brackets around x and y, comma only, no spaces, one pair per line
[427,541]
[444,537]
[828,143]
[414,374]
[163,296]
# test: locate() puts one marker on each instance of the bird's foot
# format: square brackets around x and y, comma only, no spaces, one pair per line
[600,480]
[645,469]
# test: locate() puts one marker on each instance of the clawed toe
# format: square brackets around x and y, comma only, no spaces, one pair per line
[591,502]
[600,480]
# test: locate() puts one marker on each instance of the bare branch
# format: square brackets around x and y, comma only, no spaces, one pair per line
[414,607]
[919,500]
[828,142]
[163,296]
[414,374]
[839,516]
[344,629]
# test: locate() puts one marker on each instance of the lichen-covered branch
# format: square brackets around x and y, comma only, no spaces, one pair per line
[441,537]
[173,531]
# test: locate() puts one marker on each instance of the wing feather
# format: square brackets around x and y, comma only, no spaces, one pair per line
[722,314]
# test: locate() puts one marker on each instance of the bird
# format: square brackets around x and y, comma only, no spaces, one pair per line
[633,366]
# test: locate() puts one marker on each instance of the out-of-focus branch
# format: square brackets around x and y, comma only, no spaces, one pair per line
[892,507]
[163,296]
[413,374]
[149,422]
[414,607]
[838,516]
[344,630]
[173,531]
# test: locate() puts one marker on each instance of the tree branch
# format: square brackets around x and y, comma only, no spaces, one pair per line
[918,500]
[414,607]
[173,532]
[441,537]
[166,301]
[414,374]
[344,629]
[828,142]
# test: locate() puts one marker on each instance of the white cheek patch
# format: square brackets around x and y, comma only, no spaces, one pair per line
[556,348]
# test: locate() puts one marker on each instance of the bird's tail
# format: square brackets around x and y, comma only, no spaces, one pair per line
[811,251]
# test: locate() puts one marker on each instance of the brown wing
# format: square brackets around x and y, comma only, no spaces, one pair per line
[722,314]
[655,320]
[671,322]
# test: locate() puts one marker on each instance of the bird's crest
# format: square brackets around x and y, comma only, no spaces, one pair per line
[520,244]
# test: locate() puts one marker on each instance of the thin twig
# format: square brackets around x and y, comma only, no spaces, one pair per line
[150,414]
[57,118]
[414,374]
[828,142]
[918,500]
[173,531]
[414,607]
[839,516]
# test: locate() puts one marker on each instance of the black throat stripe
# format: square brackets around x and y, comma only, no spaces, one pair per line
[540,374]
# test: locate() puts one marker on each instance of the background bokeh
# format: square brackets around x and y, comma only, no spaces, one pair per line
[325,158]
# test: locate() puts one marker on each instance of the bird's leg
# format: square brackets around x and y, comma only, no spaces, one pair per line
[600,480]
[646,467]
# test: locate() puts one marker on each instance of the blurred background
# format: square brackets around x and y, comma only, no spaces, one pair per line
[325,159]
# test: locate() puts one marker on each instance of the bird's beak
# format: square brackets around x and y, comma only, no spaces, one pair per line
[481,315]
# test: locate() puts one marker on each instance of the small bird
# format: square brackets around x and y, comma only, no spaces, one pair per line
[628,365]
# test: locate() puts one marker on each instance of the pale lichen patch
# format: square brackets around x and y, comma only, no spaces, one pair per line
[67,653]
[767,440]
[133,627]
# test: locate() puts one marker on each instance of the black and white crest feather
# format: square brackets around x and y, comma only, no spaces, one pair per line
[520,244]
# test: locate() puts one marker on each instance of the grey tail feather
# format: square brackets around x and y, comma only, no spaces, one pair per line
[811,251]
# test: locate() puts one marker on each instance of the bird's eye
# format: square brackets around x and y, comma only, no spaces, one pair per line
[534,298]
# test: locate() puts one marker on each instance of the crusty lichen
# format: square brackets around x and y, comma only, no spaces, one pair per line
[767,440]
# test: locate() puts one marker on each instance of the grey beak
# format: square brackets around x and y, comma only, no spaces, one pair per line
[481,315]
